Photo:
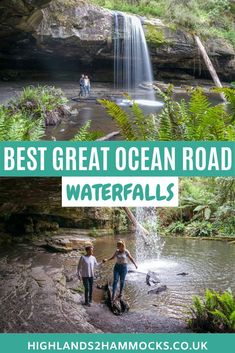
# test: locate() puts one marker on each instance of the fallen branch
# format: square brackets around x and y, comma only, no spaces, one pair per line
[209,65]
[109,136]
[136,224]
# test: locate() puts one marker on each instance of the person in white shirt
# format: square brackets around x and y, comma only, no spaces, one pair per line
[85,272]
[87,84]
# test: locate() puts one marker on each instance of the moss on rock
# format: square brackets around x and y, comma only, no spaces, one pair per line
[155,36]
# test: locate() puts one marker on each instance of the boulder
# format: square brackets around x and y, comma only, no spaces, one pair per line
[59,245]
[67,242]
[152,278]
[158,289]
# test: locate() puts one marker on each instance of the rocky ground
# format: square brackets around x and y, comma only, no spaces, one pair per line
[34,296]
[142,322]
[9,90]
[39,292]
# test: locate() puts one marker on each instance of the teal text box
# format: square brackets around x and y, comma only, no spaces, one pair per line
[180,343]
[177,146]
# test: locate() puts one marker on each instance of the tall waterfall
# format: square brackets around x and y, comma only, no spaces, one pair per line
[132,65]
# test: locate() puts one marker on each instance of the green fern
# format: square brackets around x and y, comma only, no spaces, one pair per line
[84,134]
[199,307]
[165,128]
[229,94]
[121,117]
[17,127]
[195,120]
[216,313]
[23,117]
[139,122]
[200,120]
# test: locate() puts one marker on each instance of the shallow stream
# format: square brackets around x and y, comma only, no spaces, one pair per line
[207,264]
[36,297]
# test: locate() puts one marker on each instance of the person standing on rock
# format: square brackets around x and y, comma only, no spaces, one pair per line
[120,270]
[85,272]
[87,84]
[82,86]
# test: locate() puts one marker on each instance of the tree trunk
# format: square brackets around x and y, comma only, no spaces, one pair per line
[209,65]
[138,226]
[109,136]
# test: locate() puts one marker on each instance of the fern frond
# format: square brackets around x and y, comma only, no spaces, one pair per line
[165,128]
[121,118]
[139,121]
[229,94]
[199,103]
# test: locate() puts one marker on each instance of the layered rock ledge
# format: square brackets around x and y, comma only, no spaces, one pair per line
[65,38]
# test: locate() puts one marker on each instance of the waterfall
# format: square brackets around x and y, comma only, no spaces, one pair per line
[147,217]
[132,65]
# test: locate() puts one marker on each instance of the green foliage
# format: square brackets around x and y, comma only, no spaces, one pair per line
[225,190]
[214,313]
[212,18]
[154,36]
[23,117]
[207,208]
[176,228]
[17,126]
[229,94]
[225,218]
[195,120]
[142,7]
[37,102]
[200,229]
[84,134]
[122,119]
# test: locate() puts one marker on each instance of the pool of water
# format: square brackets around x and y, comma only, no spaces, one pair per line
[209,264]
[100,121]
[89,110]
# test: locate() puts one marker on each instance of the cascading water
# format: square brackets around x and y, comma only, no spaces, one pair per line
[132,65]
[147,217]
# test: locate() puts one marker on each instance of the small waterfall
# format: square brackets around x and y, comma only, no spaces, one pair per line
[132,65]
[147,217]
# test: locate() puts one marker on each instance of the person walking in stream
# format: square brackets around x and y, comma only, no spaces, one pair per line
[85,271]
[122,255]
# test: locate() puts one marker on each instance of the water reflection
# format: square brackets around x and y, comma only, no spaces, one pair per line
[208,264]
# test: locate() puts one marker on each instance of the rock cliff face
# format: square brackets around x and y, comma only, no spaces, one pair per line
[55,38]
[64,38]
[33,206]
[175,55]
